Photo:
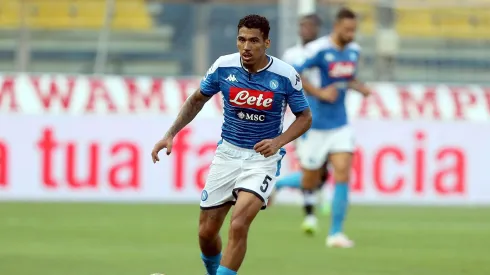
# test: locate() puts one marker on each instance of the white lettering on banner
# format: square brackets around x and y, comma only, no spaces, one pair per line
[64,94]
[105,159]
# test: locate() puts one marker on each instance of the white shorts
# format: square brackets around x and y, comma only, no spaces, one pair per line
[315,145]
[235,169]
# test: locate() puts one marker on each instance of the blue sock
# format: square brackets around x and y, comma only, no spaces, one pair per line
[225,271]
[339,207]
[211,263]
[292,181]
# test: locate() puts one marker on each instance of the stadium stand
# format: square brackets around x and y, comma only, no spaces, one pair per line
[74,14]
[437,43]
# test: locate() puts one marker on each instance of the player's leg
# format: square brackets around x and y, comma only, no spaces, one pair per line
[216,200]
[252,191]
[323,181]
[290,181]
[210,222]
[246,208]
[312,157]
[309,183]
[341,161]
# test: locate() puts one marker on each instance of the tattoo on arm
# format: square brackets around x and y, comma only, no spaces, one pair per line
[192,106]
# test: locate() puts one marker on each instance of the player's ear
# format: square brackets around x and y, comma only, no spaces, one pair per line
[267,43]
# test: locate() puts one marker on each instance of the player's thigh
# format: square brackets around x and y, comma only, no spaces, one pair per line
[247,206]
[313,148]
[221,180]
[341,163]
[341,152]
[259,176]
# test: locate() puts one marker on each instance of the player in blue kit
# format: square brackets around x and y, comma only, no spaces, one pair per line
[336,56]
[256,88]
[309,28]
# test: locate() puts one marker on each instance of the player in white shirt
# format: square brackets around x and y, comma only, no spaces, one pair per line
[309,29]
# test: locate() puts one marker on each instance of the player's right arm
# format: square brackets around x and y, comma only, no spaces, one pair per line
[192,106]
[313,60]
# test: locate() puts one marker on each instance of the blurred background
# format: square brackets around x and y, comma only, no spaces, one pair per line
[88,86]
[430,40]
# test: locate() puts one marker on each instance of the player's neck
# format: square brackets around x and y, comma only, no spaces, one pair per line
[261,64]
[336,41]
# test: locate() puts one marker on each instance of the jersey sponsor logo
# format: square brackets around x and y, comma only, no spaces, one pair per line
[231,78]
[252,99]
[250,116]
[341,69]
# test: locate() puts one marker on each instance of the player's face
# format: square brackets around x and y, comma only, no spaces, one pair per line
[251,45]
[346,30]
[308,30]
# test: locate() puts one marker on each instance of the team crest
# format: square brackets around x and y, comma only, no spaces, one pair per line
[353,56]
[329,57]
[204,195]
[274,84]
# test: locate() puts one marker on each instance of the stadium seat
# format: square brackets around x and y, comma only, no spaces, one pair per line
[367,16]
[67,14]
[131,15]
[10,13]
[443,22]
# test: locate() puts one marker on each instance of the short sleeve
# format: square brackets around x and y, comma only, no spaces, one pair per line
[295,95]
[210,82]
[312,60]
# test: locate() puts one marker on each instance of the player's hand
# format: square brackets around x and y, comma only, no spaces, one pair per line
[329,93]
[165,142]
[267,147]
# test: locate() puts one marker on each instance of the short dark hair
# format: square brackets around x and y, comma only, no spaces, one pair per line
[345,13]
[254,21]
[313,17]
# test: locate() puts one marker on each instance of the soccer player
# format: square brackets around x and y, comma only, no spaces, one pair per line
[336,56]
[309,28]
[256,89]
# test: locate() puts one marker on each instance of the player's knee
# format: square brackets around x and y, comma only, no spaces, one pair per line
[208,231]
[342,173]
[310,179]
[239,228]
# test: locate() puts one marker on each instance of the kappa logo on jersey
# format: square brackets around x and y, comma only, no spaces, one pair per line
[252,99]
[231,78]
[250,117]
[341,69]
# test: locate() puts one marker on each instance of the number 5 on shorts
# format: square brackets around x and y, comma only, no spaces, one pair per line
[265,184]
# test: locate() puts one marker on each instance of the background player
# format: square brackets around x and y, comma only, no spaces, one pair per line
[256,88]
[309,29]
[336,56]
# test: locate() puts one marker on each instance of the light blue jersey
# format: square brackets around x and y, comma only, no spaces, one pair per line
[336,67]
[254,103]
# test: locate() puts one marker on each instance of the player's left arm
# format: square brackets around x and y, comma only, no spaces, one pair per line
[299,106]
[357,85]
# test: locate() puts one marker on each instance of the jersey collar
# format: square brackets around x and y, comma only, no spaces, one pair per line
[261,70]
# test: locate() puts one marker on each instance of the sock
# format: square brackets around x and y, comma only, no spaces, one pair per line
[292,181]
[225,271]
[310,201]
[211,263]
[339,207]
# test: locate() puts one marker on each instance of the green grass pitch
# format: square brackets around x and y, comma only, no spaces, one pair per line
[140,239]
